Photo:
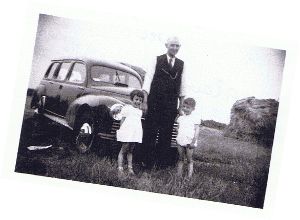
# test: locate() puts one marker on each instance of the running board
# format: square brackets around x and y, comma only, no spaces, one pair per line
[58,119]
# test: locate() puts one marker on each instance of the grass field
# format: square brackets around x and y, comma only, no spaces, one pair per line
[226,170]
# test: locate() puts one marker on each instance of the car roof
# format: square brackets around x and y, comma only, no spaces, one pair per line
[102,62]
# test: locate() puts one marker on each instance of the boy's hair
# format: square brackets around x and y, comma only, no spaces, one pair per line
[190,102]
[138,93]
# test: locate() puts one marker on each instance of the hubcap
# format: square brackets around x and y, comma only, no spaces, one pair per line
[85,137]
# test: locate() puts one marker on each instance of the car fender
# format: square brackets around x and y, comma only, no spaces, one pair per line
[99,105]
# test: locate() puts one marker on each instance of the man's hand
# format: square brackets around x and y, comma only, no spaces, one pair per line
[192,146]
[180,112]
[144,107]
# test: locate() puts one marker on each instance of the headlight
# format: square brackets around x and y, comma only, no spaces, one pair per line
[115,111]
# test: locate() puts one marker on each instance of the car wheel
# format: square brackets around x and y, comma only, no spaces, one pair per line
[41,105]
[38,103]
[85,132]
[34,100]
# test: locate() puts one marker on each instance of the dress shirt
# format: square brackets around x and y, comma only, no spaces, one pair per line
[171,60]
[150,74]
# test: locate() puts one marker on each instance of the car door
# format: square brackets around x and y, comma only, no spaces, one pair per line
[74,86]
[51,86]
[54,86]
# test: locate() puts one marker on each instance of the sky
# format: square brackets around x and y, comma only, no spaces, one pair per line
[219,71]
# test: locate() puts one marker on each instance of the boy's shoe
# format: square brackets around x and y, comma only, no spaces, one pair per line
[121,174]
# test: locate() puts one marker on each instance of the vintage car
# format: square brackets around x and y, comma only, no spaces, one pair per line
[86,95]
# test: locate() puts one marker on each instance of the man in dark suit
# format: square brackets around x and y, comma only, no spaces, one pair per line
[163,87]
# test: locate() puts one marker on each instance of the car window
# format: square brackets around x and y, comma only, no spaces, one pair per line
[51,71]
[78,73]
[64,69]
[125,79]
[134,82]
[117,77]
[101,74]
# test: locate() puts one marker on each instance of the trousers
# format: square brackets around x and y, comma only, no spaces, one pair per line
[157,140]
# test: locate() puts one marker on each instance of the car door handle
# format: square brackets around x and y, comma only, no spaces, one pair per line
[82,88]
[60,87]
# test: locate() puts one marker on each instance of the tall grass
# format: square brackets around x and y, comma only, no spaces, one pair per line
[226,170]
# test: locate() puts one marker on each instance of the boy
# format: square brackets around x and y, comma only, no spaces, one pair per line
[188,132]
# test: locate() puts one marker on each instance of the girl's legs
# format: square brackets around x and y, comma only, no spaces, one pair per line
[181,152]
[129,158]
[189,156]
[123,150]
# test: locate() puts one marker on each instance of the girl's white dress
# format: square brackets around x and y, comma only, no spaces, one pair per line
[131,129]
[186,130]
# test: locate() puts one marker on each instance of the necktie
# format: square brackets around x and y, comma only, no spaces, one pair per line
[170,64]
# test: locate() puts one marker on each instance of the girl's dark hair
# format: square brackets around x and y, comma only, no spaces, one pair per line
[138,93]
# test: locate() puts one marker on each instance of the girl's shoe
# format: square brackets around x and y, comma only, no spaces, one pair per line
[130,171]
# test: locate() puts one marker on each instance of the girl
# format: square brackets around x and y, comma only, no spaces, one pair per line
[130,131]
[188,132]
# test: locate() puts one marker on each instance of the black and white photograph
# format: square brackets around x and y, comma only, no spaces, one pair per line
[132,107]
